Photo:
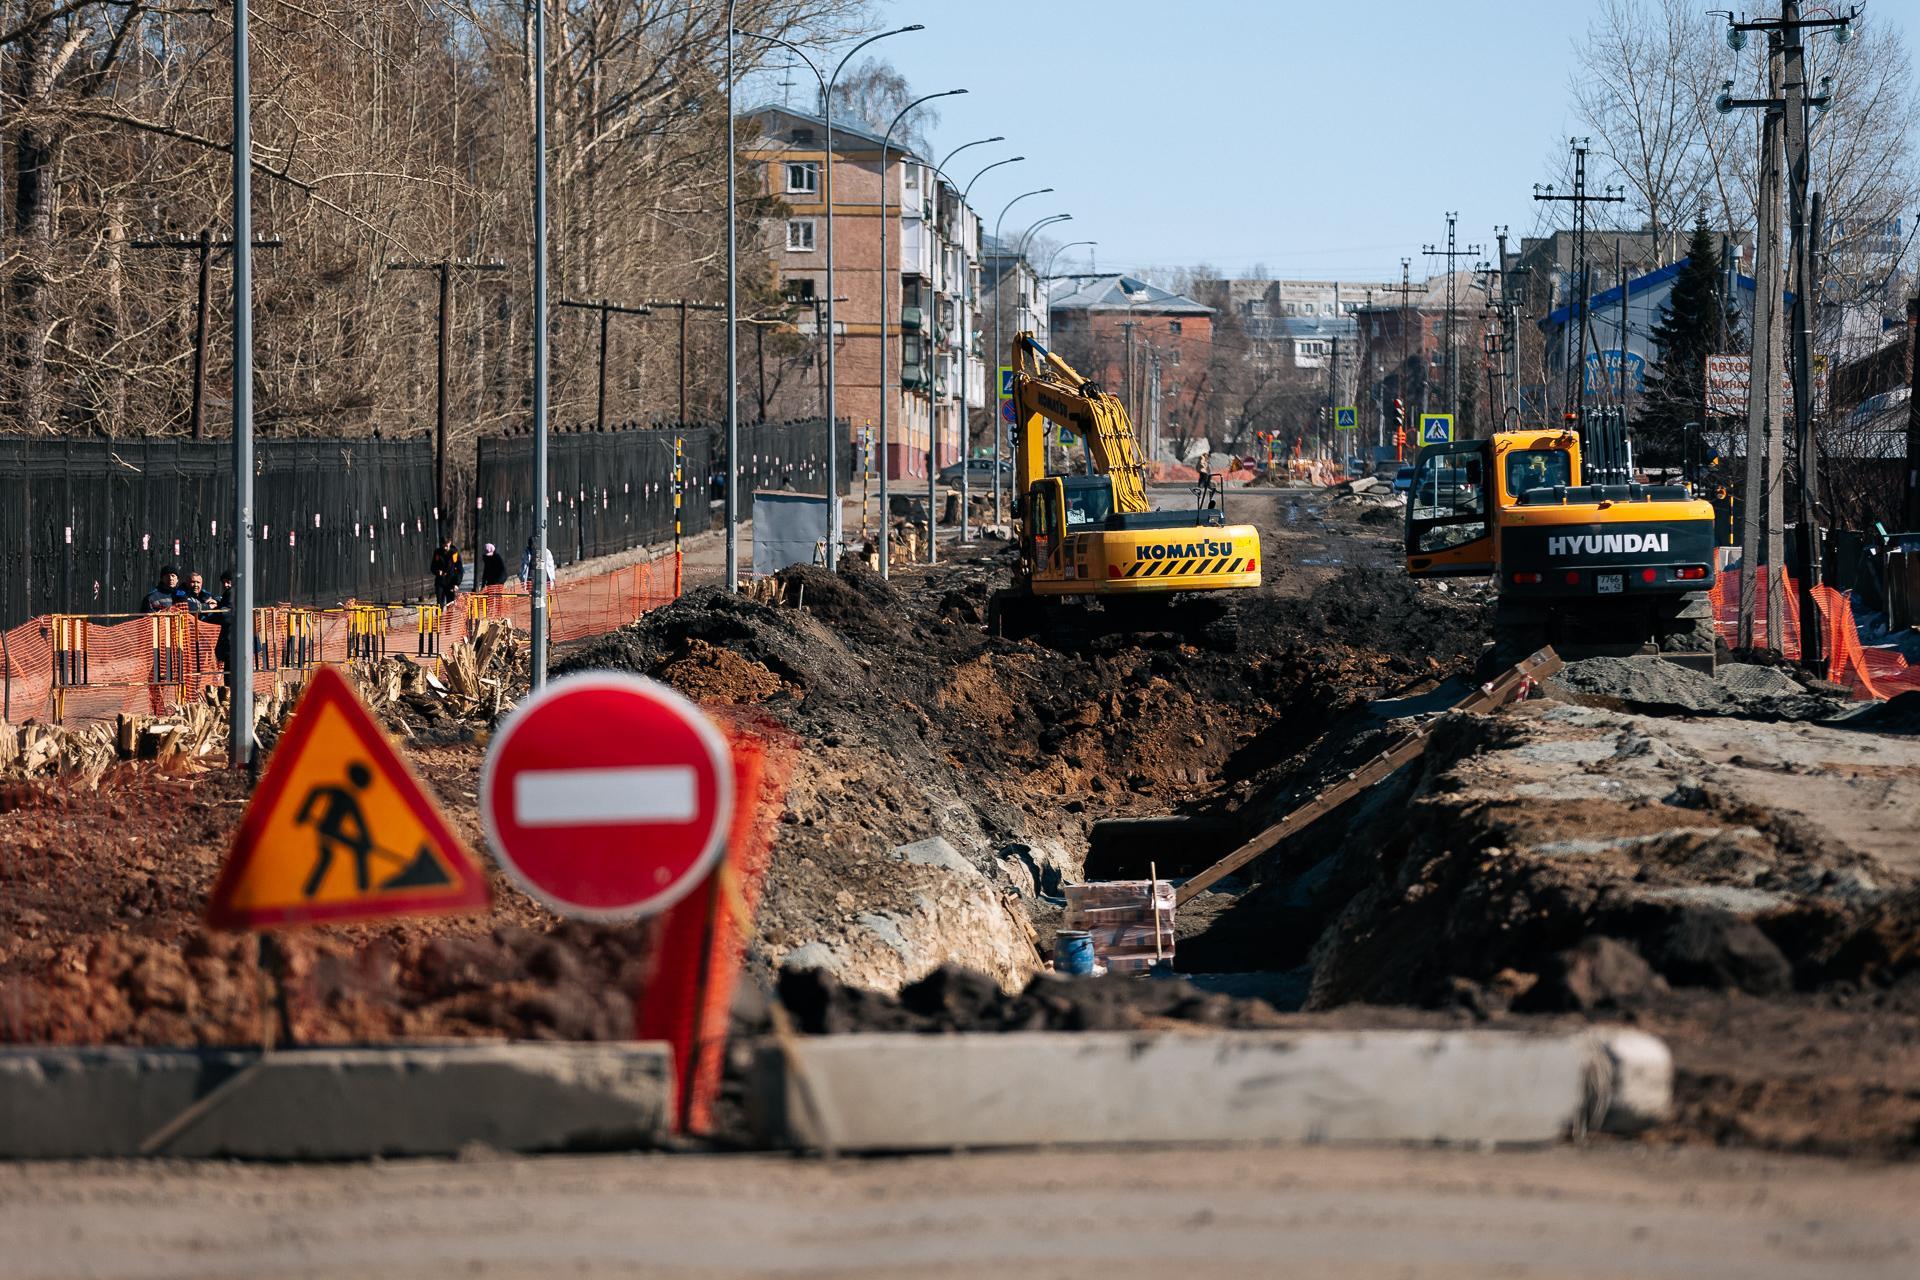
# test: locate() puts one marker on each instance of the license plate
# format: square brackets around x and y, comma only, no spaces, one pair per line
[1610,584]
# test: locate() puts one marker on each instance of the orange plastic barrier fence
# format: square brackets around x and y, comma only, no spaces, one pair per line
[1870,672]
[66,667]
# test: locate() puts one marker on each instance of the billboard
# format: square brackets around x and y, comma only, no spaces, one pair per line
[1728,378]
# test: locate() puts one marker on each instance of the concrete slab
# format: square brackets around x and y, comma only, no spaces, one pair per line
[332,1103]
[912,1093]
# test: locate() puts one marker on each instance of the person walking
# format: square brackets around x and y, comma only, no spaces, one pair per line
[493,568]
[526,567]
[446,572]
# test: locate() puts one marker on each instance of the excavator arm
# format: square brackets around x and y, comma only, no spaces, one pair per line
[1047,387]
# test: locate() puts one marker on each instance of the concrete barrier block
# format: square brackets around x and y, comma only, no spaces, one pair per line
[332,1103]
[906,1093]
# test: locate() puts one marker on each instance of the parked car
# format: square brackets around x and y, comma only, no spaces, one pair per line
[1357,467]
[1403,480]
[979,471]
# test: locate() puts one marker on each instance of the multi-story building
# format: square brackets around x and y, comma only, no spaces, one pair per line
[930,273]
[1147,344]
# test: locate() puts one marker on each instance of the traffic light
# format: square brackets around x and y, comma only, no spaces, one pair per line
[1399,412]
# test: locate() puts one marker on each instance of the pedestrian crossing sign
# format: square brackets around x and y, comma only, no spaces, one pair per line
[1006,382]
[1436,428]
[1346,418]
[339,829]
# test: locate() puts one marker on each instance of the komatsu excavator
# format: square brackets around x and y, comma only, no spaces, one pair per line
[1095,535]
[1583,558]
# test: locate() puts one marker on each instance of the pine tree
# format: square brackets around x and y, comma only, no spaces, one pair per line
[1695,322]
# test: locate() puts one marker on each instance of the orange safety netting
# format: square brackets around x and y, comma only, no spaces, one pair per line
[1870,672]
[66,667]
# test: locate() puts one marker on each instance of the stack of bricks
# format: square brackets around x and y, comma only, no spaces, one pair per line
[1131,921]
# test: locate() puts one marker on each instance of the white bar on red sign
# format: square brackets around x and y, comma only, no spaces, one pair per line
[587,797]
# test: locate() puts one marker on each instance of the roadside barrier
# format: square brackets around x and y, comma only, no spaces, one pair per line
[70,667]
[1868,671]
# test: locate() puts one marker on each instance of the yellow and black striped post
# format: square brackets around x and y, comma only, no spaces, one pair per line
[679,488]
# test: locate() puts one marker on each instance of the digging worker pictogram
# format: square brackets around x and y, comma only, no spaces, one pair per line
[340,824]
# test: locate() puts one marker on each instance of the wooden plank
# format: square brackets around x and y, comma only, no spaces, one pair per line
[1536,666]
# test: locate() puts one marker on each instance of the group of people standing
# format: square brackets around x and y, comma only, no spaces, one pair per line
[449,569]
[168,593]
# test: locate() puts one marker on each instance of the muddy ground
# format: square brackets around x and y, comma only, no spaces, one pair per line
[1730,864]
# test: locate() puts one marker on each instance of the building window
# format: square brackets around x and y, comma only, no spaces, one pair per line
[800,289]
[803,177]
[800,235]
[1173,326]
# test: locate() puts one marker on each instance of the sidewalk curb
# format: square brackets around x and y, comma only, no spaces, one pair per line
[331,1103]
[884,1092]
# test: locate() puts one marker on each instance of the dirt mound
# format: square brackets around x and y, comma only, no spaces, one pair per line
[951,999]
[1736,689]
[916,724]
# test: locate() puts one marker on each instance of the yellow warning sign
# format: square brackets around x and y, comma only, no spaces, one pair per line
[340,829]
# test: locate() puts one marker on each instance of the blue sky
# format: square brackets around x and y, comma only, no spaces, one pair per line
[1321,139]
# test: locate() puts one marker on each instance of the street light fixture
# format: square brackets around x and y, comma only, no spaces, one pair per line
[1062,249]
[1027,239]
[827,84]
[933,448]
[966,341]
[888,281]
[999,428]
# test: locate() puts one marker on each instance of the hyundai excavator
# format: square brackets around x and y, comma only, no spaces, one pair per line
[1094,535]
[1584,558]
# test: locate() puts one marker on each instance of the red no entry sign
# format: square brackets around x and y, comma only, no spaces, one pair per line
[607,796]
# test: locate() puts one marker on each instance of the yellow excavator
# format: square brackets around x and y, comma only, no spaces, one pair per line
[1094,535]
[1583,557]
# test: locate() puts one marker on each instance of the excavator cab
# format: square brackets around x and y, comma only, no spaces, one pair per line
[1450,518]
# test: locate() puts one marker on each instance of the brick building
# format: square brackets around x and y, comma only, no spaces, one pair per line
[931,272]
[1150,346]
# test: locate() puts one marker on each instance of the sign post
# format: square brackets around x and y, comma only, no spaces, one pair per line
[611,797]
[1346,417]
[1436,428]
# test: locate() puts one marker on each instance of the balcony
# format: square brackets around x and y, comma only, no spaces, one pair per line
[913,377]
[914,318]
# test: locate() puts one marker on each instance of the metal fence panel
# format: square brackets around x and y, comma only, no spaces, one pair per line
[85,525]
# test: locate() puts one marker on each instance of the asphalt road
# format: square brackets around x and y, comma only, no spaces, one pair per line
[1612,1211]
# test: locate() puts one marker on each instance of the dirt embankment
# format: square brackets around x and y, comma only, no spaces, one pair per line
[910,723]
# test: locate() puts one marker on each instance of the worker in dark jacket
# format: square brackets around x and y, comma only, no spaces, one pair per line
[446,572]
[198,598]
[222,616]
[166,593]
[493,568]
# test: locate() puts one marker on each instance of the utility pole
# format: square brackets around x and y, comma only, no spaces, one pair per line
[240,741]
[1405,290]
[1910,498]
[1784,160]
[205,245]
[444,269]
[608,310]
[1574,403]
[1453,362]
[682,306]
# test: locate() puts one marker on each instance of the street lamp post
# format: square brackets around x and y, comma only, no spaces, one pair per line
[537,629]
[887,280]
[1062,249]
[1026,239]
[966,341]
[826,110]
[999,428]
[959,315]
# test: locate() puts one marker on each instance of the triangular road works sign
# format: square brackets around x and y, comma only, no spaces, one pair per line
[340,829]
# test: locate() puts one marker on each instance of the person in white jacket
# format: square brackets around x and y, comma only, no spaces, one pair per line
[526,567]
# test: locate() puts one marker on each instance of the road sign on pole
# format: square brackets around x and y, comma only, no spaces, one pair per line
[1346,418]
[1006,382]
[1436,428]
[607,796]
[339,829]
